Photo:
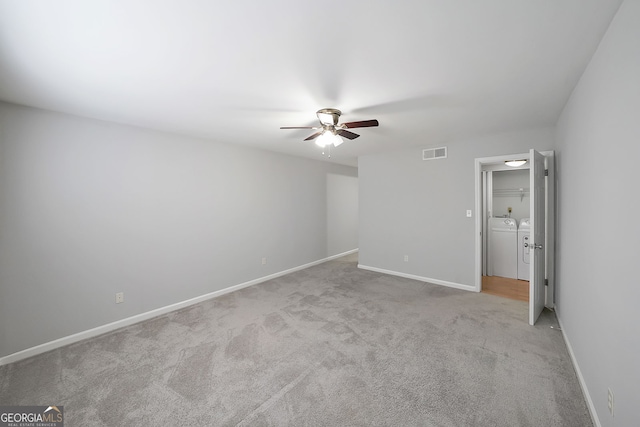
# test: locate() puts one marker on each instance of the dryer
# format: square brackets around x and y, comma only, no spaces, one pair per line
[524,233]
[503,247]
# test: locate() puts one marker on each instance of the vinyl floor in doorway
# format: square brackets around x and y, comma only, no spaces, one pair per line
[506,287]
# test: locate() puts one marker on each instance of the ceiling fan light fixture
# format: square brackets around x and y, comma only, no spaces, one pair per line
[328,138]
[330,132]
[515,163]
[321,141]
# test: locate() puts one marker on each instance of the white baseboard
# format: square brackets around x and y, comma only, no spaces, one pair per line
[420,278]
[90,333]
[583,384]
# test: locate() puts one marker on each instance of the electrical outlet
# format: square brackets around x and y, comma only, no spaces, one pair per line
[119,297]
[468,213]
[610,401]
[264,261]
[406,258]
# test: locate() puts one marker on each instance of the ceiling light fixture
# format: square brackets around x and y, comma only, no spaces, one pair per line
[328,138]
[515,163]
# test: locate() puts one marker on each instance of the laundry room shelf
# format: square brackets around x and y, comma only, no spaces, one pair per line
[511,192]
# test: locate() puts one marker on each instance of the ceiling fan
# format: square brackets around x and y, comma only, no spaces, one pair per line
[330,131]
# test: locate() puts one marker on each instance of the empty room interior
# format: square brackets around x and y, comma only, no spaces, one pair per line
[288,213]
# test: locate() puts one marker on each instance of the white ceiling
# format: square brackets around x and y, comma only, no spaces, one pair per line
[235,71]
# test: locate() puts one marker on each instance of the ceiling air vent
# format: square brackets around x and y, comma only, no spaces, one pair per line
[434,153]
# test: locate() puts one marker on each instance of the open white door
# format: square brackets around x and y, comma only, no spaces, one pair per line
[536,241]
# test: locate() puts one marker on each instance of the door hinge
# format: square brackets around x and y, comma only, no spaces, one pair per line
[546,172]
[546,282]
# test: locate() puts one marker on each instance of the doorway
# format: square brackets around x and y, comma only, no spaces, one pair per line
[528,193]
[505,266]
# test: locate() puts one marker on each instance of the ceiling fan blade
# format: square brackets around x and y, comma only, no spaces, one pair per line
[314,136]
[298,127]
[347,134]
[361,124]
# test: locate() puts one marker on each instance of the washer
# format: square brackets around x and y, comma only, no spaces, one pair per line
[503,247]
[524,232]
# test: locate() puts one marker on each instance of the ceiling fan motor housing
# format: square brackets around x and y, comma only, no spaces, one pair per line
[329,116]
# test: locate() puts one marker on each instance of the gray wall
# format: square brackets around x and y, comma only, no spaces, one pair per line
[413,207]
[511,179]
[342,213]
[598,287]
[88,209]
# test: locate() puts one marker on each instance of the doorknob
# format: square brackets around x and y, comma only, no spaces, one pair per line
[536,246]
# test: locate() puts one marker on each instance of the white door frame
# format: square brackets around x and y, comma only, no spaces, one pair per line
[481,163]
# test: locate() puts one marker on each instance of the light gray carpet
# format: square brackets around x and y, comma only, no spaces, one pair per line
[330,345]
